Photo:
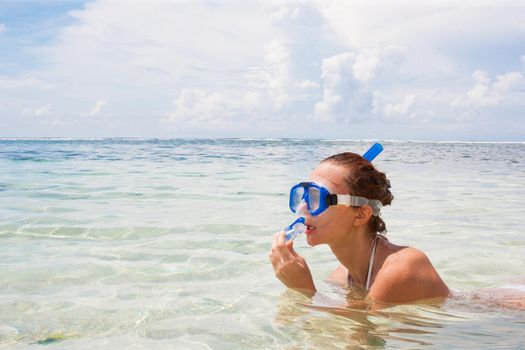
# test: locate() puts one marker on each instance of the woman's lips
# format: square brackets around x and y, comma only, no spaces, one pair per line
[309,229]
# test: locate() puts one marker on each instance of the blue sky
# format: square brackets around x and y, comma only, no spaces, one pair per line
[404,70]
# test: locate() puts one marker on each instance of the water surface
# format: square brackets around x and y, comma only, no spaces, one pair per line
[163,243]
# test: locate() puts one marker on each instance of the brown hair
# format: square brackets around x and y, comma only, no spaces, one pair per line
[364,180]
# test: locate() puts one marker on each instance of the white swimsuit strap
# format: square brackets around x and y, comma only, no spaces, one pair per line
[371,264]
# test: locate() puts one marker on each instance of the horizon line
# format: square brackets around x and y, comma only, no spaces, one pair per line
[53,138]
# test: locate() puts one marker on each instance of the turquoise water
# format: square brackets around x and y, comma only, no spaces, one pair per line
[163,244]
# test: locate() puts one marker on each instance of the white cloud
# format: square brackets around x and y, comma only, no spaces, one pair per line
[345,78]
[23,82]
[330,60]
[37,112]
[409,49]
[97,108]
[250,100]
[324,109]
[334,70]
[362,66]
[195,105]
[307,84]
[3,28]
[364,24]
[282,11]
[394,111]
[128,52]
[376,102]
[277,58]
[401,108]
[365,66]
[489,93]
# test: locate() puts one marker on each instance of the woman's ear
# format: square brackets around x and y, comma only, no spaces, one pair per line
[363,215]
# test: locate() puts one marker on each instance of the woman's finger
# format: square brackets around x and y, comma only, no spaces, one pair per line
[281,240]
[279,252]
[274,250]
[274,243]
[281,243]
[292,251]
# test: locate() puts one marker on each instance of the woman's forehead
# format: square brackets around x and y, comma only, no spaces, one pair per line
[331,176]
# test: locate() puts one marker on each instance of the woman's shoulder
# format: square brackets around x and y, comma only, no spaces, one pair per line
[405,258]
[407,275]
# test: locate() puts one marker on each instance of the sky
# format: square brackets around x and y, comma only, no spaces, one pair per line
[374,70]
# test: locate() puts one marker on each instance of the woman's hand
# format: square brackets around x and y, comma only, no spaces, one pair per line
[290,268]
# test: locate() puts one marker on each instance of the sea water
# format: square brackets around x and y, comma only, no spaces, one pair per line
[140,244]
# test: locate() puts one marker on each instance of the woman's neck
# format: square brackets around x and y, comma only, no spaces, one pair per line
[354,254]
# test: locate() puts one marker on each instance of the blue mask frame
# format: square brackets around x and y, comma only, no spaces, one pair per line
[324,197]
[327,199]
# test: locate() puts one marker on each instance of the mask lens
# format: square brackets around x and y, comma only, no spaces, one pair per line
[314,196]
[296,196]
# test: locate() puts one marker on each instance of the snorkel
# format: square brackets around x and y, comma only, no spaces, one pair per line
[298,226]
[373,152]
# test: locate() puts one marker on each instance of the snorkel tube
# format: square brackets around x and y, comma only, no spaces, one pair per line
[298,226]
[373,152]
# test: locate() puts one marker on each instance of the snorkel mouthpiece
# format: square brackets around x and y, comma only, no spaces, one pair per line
[296,228]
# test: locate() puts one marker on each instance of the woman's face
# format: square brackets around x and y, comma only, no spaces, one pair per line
[335,223]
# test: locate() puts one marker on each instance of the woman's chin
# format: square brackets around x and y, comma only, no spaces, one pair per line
[312,238]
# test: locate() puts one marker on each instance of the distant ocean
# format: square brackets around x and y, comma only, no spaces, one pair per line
[163,244]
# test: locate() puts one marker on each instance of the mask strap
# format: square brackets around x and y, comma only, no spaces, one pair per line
[356,201]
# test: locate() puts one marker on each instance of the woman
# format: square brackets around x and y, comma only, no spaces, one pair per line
[385,272]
